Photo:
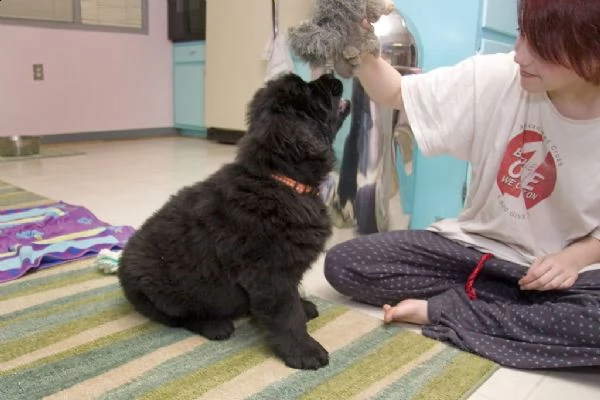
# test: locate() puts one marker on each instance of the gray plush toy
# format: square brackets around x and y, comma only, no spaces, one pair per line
[333,37]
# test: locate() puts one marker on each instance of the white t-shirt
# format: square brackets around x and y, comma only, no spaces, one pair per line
[535,181]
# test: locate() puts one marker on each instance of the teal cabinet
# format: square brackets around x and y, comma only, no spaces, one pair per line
[439,185]
[499,26]
[500,16]
[188,88]
[498,34]
[435,188]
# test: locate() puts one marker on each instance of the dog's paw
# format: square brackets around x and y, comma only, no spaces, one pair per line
[307,354]
[310,309]
[211,329]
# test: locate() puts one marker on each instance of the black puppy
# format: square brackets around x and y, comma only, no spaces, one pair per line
[238,243]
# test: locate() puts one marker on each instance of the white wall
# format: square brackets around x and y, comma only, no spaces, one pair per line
[94,81]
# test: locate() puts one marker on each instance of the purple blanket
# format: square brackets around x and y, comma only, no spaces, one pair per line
[40,237]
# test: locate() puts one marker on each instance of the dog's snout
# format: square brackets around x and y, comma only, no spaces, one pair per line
[337,88]
[335,85]
[332,83]
[328,76]
[328,85]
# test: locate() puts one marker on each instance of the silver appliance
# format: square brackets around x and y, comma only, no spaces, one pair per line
[19,146]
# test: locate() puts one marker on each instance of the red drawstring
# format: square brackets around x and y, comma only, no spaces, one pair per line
[469,286]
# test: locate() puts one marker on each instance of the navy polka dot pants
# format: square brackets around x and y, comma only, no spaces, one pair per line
[520,329]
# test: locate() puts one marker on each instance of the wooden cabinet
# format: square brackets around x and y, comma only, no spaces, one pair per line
[189,87]
[237,32]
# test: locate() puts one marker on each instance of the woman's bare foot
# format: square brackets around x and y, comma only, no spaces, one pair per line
[412,311]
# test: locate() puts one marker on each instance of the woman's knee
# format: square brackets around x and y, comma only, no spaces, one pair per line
[336,263]
[342,260]
[351,278]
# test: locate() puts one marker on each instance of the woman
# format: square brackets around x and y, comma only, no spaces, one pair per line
[512,278]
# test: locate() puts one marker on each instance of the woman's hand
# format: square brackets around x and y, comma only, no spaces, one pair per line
[560,270]
[554,272]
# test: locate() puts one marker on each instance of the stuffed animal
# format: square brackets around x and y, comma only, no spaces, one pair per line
[334,37]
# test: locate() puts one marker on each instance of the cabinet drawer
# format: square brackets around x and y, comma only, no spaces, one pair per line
[500,16]
[188,52]
[494,46]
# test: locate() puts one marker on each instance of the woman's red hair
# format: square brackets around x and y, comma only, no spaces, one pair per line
[564,32]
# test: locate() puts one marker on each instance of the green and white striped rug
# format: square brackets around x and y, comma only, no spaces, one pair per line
[68,333]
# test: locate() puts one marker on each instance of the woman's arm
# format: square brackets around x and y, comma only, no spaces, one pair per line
[381,81]
[584,252]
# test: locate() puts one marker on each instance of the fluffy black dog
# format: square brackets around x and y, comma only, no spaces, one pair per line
[238,243]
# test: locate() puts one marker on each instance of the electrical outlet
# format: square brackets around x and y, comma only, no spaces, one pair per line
[38,72]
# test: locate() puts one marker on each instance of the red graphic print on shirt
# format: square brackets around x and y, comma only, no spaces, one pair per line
[527,169]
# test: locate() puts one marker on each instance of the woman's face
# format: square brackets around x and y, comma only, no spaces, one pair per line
[537,75]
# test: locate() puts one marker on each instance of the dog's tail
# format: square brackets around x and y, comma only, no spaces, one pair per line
[313,44]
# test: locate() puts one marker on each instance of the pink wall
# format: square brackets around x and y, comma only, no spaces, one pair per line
[94,81]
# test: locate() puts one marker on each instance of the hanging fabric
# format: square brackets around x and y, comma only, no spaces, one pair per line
[276,51]
[275,16]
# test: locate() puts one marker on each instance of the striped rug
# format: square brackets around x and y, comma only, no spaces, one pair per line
[68,333]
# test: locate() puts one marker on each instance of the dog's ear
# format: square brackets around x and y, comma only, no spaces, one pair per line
[279,96]
[289,103]
[291,96]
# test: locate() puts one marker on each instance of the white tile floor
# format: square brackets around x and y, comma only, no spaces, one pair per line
[123,182]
